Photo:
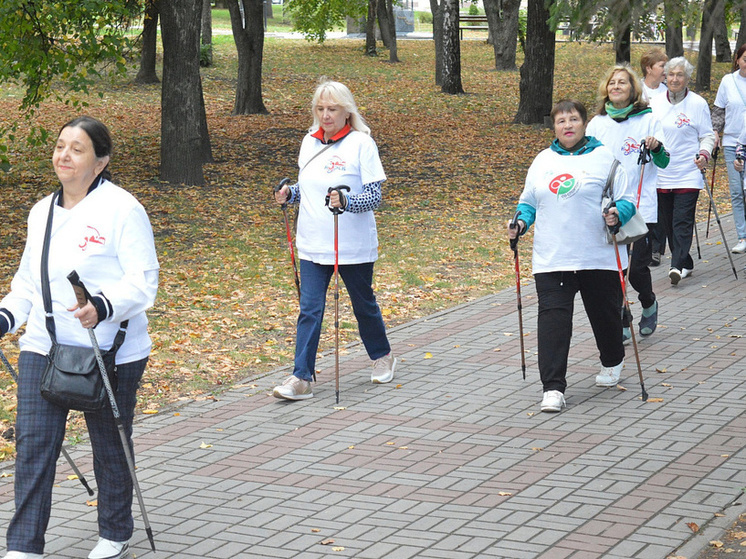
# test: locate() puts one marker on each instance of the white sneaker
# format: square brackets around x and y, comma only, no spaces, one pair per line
[609,376]
[22,555]
[107,549]
[740,248]
[553,401]
[686,272]
[383,369]
[293,388]
[675,275]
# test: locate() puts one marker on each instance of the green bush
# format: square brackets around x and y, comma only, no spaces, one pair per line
[425,17]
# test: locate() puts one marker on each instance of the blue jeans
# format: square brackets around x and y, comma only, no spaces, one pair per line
[735,184]
[314,282]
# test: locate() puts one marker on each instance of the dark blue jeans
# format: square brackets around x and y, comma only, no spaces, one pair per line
[314,282]
[40,429]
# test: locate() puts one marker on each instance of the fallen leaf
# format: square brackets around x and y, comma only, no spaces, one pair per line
[338,549]
[504,494]
[340,408]
[537,448]
[693,526]
[6,474]
[205,445]
[621,388]
[428,355]
[716,543]
[390,443]
[657,370]
[666,385]
[72,477]
[655,400]
[351,446]
[149,412]
[92,503]
[739,535]
[398,386]
[327,541]
[530,413]
[403,448]
[315,530]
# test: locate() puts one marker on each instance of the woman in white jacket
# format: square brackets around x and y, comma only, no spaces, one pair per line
[102,232]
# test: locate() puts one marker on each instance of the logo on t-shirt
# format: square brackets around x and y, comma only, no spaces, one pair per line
[682,120]
[94,237]
[335,164]
[630,145]
[563,185]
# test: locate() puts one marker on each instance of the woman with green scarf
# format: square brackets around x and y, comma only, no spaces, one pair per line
[625,124]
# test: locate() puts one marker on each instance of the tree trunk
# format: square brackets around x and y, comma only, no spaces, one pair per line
[268,13]
[673,11]
[183,131]
[742,29]
[704,57]
[387,24]
[370,29]
[249,39]
[537,71]
[206,33]
[437,12]
[622,13]
[451,48]
[720,34]
[502,19]
[146,73]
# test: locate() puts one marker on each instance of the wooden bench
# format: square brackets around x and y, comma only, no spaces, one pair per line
[467,22]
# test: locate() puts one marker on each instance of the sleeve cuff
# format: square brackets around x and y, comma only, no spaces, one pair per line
[103,307]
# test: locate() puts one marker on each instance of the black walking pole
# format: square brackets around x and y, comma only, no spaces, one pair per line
[720,225]
[514,248]
[82,295]
[336,212]
[712,187]
[627,311]
[284,207]
[69,459]
[696,240]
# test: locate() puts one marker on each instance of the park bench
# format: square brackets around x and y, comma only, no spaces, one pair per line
[476,22]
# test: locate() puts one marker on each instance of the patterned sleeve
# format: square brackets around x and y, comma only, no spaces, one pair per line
[368,200]
[294,194]
[740,151]
[718,119]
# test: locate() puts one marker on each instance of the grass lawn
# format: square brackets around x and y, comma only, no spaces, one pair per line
[227,307]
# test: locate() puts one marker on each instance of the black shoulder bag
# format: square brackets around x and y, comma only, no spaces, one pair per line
[71,378]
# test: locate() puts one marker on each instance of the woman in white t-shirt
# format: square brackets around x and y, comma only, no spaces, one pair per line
[337,150]
[727,119]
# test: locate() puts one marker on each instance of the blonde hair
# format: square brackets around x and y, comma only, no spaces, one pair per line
[338,94]
[636,97]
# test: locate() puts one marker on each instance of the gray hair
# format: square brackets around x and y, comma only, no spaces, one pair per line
[679,62]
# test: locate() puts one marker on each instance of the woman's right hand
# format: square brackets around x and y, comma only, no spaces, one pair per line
[738,165]
[514,232]
[282,195]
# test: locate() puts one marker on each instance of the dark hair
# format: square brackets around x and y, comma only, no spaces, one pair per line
[739,54]
[99,135]
[568,106]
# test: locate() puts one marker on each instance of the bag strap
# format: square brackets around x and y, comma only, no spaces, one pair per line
[315,155]
[46,295]
[609,188]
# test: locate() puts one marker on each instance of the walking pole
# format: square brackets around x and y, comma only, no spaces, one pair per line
[627,310]
[69,459]
[696,239]
[284,207]
[336,212]
[712,187]
[82,295]
[514,247]
[720,225]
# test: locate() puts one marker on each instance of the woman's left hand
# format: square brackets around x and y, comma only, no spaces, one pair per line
[611,217]
[700,161]
[652,143]
[88,315]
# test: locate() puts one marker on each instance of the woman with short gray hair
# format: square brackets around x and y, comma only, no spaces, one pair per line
[687,129]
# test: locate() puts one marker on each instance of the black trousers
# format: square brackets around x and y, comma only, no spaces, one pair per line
[676,210]
[602,294]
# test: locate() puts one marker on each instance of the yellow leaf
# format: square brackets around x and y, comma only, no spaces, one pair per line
[72,477]
[6,474]
[338,549]
[390,443]
[92,503]
[428,355]
[149,412]
[351,446]
[655,400]
[205,445]
[504,494]
[386,312]
[340,408]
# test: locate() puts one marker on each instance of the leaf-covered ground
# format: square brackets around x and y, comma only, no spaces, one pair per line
[227,306]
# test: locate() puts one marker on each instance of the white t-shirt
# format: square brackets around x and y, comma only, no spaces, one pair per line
[648,93]
[108,240]
[731,96]
[566,190]
[684,124]
[352,161]
[624,140]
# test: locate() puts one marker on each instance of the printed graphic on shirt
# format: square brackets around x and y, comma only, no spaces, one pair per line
[682,120]
[630,145]
[563,185]
[92,237]
[335,164]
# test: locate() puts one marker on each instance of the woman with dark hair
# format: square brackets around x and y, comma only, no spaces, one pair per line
[103,233]
[727,120]
[562,195]
[624,124]
[687,128]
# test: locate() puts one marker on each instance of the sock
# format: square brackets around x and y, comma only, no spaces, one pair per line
[650,310]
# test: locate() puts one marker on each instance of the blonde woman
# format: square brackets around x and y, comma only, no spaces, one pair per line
[337,150]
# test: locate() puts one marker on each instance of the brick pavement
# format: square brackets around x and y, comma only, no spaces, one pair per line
[454,459]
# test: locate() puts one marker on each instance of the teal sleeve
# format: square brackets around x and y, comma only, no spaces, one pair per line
[661,157]
[528,214]
[626,210]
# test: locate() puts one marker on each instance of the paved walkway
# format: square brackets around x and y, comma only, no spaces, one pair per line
[456,461]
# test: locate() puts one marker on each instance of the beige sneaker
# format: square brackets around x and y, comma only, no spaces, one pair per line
[293,388]
[383,369]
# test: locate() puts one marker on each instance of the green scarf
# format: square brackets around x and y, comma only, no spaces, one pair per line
[615,113]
